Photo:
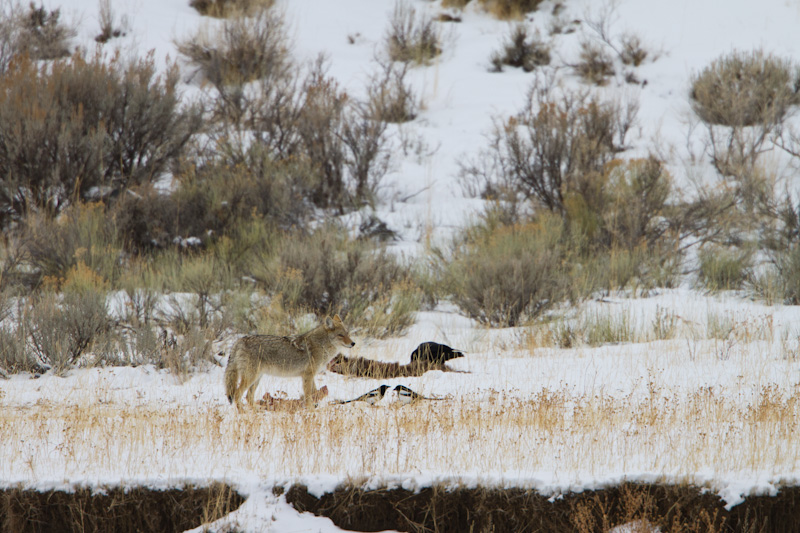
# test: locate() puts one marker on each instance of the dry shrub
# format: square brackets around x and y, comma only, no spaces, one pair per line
[242,49]
[306,145]
[109,29]
[505,275]
[13,257]
[229,8]
[632,52]
[184,353]
[557,146]
[638,270]
[84,235]
[207,290]
[411,38]
[510,9]
[559,156]
[340,141]
[623,218]
[317,127]
[636,195]
[150,220]
[594,63]
[10,30]
[787,270]
[62,329]
[327,272]
[36,33]
[266,110]
[367,156]
[723,268]
[14,353]
[214,200]
[742,99]
[521,51]
[389,98]
[140,346]
[391,313]
[185,219]
[5,305]
[745,89]
[307,121]
[140,295]
[628,46]
[118,123]
[735,153]
[44,36]
[200,279]
[782,281]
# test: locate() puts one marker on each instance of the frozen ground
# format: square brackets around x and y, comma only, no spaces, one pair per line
[717,409]
[719,413]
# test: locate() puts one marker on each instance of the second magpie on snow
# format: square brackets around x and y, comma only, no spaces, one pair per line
[406,395]
[371,397]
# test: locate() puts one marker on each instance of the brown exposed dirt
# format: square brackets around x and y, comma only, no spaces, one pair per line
[643,507]
[670,508]
[115,510]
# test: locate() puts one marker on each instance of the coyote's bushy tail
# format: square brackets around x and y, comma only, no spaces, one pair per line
[231,377]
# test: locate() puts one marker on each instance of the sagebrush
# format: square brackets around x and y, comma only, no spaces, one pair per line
[119,123]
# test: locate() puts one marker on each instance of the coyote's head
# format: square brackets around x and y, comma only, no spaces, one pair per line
[337,330]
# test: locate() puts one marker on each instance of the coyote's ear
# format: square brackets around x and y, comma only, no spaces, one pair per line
[329,322]
[336,319]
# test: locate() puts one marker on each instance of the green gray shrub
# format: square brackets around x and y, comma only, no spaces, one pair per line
[722,268]
[506,275]
[745,89]
[84,235]
[327,272]
[118,124]
[61,330]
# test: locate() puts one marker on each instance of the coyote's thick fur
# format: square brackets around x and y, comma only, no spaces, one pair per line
[301,355]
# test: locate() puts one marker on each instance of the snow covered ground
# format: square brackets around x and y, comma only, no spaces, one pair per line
[715,403]
[719,413]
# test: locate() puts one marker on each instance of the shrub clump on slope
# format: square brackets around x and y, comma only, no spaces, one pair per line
[745,89]
[85,127]
[504,274]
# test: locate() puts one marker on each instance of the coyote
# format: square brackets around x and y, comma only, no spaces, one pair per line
[301,355]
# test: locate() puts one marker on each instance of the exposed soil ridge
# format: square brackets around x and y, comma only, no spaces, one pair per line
[117,509]
[671,508]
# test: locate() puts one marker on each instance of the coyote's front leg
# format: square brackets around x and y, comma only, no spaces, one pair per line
[309,389]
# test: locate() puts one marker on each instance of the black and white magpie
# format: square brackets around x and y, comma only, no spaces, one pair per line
[371,397]
[406,395]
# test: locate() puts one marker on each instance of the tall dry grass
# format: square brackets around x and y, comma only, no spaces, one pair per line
[664,430]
